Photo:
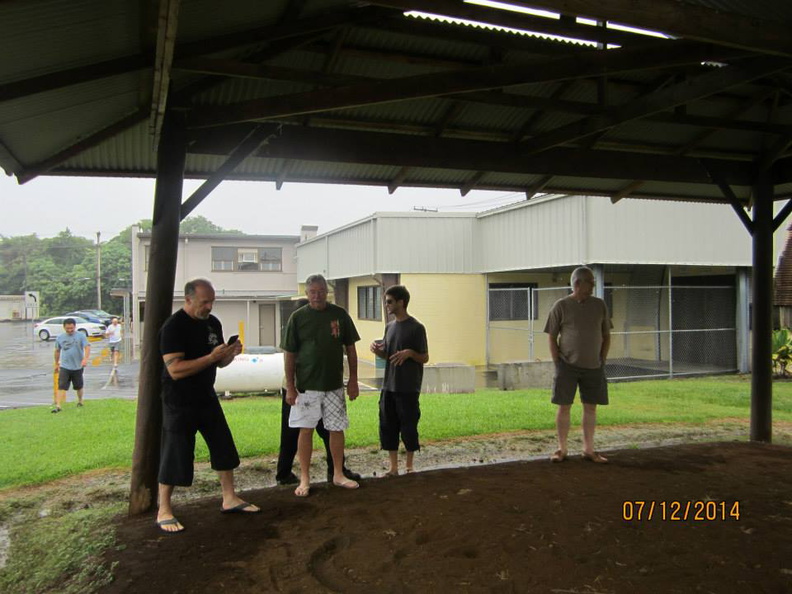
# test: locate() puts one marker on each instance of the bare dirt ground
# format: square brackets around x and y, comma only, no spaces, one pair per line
[476,523]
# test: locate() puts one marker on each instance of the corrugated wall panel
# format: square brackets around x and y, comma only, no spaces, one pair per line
[311,259]
[351,251]
[425,244]
[546,233]
[657,232]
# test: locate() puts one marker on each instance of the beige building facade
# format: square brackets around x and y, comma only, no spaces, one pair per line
[254,277]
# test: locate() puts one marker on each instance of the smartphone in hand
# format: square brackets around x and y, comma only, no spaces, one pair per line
[233,339]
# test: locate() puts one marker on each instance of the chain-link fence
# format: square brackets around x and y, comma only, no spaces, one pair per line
[657,331]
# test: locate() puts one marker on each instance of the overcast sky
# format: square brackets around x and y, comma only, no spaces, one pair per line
[47,205]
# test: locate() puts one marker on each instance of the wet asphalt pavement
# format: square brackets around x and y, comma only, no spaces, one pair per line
[26,370]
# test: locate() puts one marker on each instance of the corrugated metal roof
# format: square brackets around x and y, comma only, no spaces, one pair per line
[46,36]
[768,10]
[40,118]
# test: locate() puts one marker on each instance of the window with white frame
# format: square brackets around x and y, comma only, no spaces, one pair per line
[370,303]
[223,258]
[513,301]
[247,259]
[270,259]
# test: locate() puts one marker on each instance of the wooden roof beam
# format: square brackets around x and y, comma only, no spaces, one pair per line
[400,150]
[167,27]
[719,180]
[283,174]
[249,144]
[669,97]
[655,55]
[698,140]
[238,69]
[538,186]
[472,182]
[398,180]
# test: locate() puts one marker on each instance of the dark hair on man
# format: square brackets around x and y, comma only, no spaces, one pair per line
[69,321]
[191,286]
[399,293]
[315,279]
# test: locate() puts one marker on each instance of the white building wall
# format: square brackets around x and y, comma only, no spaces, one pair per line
[545,233]
[194,260]
[350,251]
[671,233]
[425,243]
[238,293]
[312,258]
[539,234]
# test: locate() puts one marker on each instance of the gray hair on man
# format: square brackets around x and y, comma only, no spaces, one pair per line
[192,285]
[579,274]
[315,279]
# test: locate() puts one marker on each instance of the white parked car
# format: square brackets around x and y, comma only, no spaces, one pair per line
[52,327]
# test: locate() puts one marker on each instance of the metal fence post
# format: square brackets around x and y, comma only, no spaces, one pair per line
[670,328]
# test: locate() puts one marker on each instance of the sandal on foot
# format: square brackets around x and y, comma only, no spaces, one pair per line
[242,508]
[390,473]
[595,457]
[301,491]
[347,484]
[170,522]
[558,456]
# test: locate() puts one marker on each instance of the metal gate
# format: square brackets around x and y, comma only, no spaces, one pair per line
[658,331]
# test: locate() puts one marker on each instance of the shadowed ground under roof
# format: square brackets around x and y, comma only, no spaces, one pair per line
[514,527]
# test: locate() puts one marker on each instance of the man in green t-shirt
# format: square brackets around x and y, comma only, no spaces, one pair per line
[317,337]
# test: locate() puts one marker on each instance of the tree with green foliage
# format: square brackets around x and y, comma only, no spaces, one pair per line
[63,268]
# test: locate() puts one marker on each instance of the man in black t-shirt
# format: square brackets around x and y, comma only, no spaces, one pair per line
[192,347]
[405,351]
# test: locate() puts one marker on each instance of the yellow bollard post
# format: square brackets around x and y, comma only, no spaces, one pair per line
[241,333]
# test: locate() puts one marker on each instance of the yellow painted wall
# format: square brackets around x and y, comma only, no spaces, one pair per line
[510,339]
[453,308]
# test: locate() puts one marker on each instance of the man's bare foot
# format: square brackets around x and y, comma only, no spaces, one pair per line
[390,473]
[409,469]
[558,456]
[345,483]
[595,457]
[169,524]
[302,490]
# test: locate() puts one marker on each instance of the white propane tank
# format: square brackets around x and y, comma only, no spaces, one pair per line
[251,373]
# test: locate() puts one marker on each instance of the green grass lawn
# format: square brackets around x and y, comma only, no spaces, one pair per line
[37,446]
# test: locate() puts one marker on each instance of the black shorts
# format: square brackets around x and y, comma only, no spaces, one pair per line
[179,426]
[70,376]
[592,383]
[399,413]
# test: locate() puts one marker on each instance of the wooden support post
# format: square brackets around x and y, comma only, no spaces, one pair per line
[762,368]
[159,302]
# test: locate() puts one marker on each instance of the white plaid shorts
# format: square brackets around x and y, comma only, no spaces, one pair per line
[313,406]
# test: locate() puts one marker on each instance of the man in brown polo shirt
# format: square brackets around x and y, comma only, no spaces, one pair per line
[579,331]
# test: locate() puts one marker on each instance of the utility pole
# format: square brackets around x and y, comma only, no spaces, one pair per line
[98,271]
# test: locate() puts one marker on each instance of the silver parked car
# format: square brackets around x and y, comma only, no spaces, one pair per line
[52,327]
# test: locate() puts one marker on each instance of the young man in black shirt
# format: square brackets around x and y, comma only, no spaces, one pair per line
[405,351]
[192,347]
